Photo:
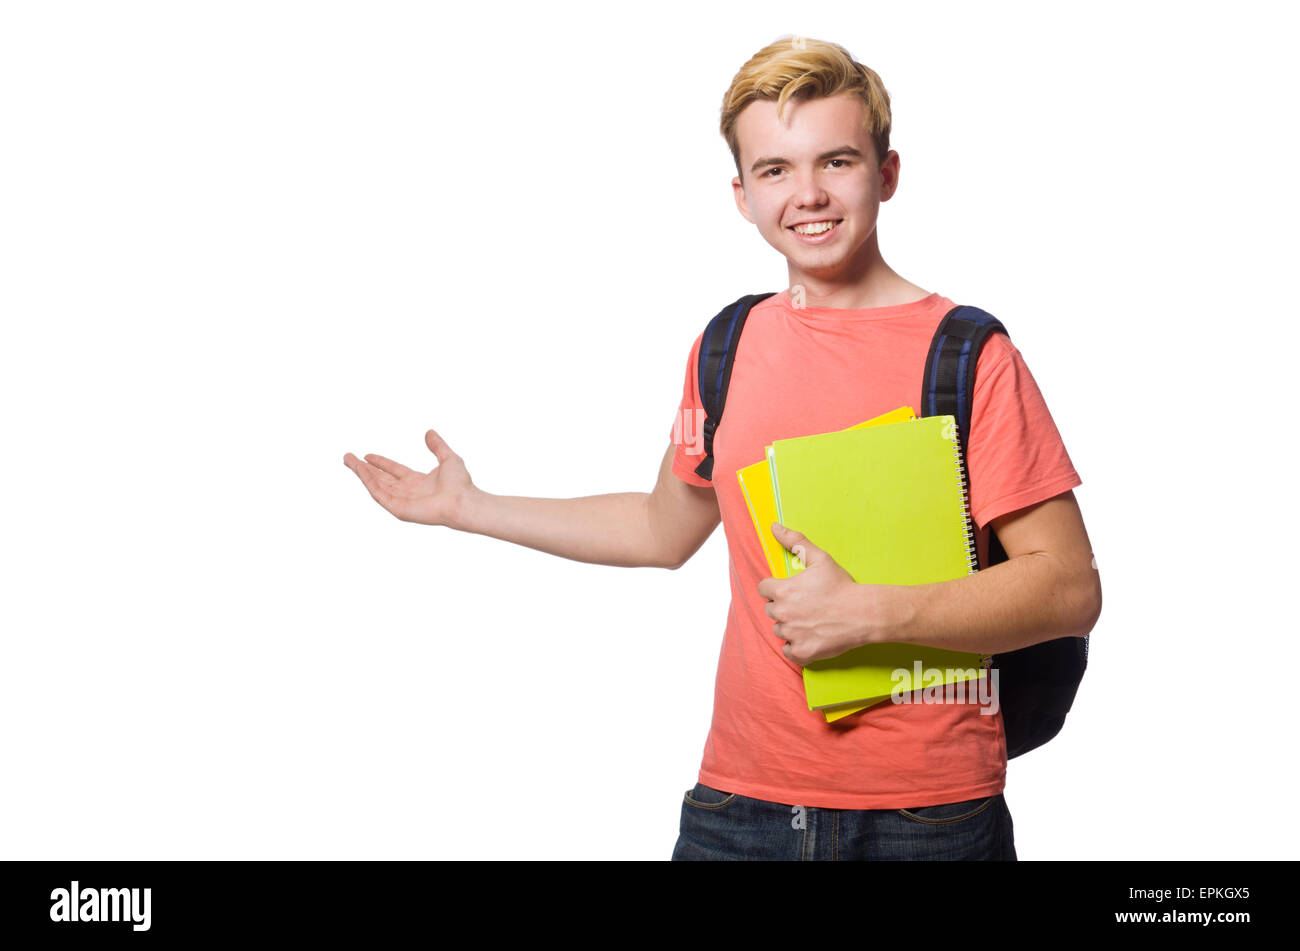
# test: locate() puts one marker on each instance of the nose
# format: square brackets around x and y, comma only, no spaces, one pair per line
[808,191]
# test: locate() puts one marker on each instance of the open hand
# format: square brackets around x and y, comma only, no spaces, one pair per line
[429,498]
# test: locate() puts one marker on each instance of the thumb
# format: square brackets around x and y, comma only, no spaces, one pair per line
[797,544]
[438,446]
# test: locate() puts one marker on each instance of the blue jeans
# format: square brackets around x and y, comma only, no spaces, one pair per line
[718,825]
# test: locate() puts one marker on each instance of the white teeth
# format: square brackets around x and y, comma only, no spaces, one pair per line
[815,228]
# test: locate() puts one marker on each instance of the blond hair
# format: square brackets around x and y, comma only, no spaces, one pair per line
[796,67]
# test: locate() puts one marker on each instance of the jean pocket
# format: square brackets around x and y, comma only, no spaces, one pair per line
[706,797]
[949,812]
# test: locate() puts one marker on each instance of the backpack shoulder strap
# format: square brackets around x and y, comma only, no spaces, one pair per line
[717,354]
[949,381]
[948,385]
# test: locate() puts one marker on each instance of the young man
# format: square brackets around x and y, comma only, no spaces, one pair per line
[809,130]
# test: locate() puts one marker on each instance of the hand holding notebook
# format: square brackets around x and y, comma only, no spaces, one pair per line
[820,613]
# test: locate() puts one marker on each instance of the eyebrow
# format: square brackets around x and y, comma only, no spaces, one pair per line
[825,156]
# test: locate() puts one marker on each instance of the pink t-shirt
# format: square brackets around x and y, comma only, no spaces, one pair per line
[811,370]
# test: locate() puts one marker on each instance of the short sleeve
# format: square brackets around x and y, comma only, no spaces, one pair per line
[688,424]
[1016,457]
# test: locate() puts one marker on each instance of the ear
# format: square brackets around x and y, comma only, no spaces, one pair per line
[738,190]
[889,175]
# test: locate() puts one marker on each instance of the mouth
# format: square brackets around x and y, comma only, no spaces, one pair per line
[816,232]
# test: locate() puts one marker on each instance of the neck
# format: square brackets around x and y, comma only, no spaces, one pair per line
[870,283]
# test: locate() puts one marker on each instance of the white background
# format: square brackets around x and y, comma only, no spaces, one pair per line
[242,239]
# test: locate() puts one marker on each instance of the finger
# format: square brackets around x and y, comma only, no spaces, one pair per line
[389,466]
[438,446]
[796,543]
[379,484]
[365,471]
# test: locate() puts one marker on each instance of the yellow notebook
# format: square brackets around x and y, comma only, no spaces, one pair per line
[888,504]
[756,486]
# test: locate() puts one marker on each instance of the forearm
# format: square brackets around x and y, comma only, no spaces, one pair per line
[1023,601]
[613,529]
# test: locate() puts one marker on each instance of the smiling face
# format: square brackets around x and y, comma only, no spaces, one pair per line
[815,166]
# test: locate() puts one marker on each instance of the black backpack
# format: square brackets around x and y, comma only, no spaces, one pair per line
[1036,684]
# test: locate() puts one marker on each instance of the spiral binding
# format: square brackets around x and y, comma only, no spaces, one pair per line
[967,526]
[968,529]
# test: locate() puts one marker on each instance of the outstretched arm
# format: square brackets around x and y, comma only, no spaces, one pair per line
[659,529]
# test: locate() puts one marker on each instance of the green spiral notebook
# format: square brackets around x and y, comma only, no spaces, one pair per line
[888,504]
